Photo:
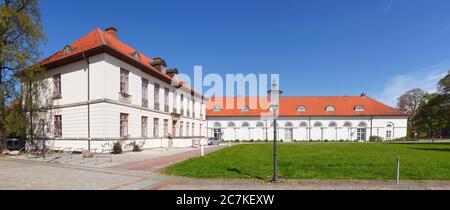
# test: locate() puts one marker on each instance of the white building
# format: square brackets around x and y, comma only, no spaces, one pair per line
[336,118]
[99,90]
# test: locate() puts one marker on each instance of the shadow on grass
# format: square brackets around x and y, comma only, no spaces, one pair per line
[433,149]
[240,173]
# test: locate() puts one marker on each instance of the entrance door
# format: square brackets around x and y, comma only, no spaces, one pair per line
[218,134]
[174,128]
[288,134]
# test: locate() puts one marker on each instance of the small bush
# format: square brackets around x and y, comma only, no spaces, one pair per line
[326,140]
[251,140]
[376,139]
[237,140]
[117,148]
[281,141]
[266,140]
[341,140]
[136,147]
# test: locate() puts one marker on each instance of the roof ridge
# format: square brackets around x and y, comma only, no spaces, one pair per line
[100,32]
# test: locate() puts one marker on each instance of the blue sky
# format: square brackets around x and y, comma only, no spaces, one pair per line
[319,47]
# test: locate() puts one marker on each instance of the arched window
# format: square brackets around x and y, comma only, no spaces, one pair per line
[136,55]
[288,125]
[362,125]
[301,109]
[330,108]
[278,125]
[245,109]
[348,125]
[359,108]
[217,109]
[260,124]
[318,125]
[231,125]
[389,125]
[332,125]
[67,49]
[217,125]
[303,124]
[245,125]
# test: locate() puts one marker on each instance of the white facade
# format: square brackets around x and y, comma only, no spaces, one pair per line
[308,128]
[102,122]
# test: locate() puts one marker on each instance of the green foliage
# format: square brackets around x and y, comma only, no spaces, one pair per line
[376,139]
[117,148]
[20,37]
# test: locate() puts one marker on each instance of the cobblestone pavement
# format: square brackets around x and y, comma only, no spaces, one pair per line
[20,174]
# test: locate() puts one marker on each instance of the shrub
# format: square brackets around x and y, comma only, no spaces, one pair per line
[251,140]
[282,141]
[136,147]
[237,140]
[117,148]
[326,140]
[341,140]
[267,140]
[376,139]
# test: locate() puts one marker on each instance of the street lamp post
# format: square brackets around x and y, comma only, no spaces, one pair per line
[274,95]
[42,116]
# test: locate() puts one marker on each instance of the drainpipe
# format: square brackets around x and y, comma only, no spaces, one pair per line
[88,101]
[309,129]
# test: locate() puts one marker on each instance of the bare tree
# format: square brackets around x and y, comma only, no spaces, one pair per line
[409,103]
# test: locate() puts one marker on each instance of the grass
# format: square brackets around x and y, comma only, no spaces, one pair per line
[372,161]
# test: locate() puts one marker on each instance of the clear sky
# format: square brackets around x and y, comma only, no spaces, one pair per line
[319,47]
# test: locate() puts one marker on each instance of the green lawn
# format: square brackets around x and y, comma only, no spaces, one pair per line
[322,161]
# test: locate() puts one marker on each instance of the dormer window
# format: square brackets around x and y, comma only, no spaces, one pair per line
[301,109]
[67,49]
[217,109]
[136,55]
[245,109]
[330,109]
[359,108]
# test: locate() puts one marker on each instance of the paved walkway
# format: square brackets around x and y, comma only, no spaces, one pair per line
[16,174]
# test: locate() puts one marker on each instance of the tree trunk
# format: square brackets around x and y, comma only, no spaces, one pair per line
[2,112]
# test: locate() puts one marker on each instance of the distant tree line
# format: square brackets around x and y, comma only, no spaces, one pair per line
[429,112]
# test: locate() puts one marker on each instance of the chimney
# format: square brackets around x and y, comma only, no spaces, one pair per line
[363,95]
[159,64]
[113,31]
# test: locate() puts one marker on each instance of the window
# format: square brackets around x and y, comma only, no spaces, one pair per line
[217,109]
[58,126]
[144,92]
[187,129]
[361,134]
[193,107]
[144,126]
[123,125]
[332,125]
[136,55]
[156,127]
[193,129]
[318,125]
[359,108]
[217,125]
[181,128]
[124,81]
[156,96]
[303,124]
[67,49]
[231,125]
[245,125]
[200,130]
[348,125]
[330,109]
[245,109]
[301,109]
[288,134]
[175,102]
[166,128]
[57,86]
[260,125]
[166,99]
[388,134]
[182,104]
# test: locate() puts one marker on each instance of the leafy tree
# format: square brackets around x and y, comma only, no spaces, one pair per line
[409,103]
[20,36]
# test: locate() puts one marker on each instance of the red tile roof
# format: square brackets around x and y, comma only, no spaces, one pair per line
[98,41]
[315,106]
